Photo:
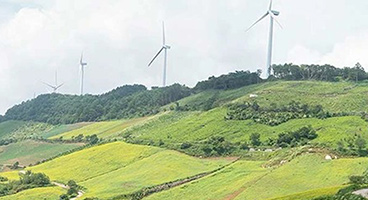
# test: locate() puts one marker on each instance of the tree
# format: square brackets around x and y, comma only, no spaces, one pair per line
[255,139]
[360,143]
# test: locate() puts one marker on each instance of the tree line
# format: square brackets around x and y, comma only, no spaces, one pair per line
[326,72]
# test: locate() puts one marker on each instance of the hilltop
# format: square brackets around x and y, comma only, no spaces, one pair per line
[301,134]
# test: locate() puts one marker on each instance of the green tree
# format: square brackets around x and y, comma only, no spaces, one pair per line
[255,139]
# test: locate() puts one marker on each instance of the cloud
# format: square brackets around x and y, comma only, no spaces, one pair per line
[119,37]
[346,53]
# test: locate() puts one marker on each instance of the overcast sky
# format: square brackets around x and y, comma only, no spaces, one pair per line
[119,37]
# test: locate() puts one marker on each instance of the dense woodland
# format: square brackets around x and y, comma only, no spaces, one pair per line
[136,100]
[123,102]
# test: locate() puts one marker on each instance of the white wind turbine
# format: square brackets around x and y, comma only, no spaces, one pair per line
[273,14]
[82,65]
[164,48]
[56,86]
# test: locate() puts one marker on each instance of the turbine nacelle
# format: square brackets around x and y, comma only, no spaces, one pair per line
[276,13]
[166,47]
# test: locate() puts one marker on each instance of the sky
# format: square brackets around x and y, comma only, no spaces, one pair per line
[120,37]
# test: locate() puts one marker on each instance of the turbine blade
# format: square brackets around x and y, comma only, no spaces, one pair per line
[59,86]
[275,18]
[163,32]
[49,85]
[265,15]
[154,58]
[81,59]
[270,8]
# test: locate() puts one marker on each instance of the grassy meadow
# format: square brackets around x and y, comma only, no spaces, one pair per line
[107,129]
[305,177]
[47,193]
[29,152]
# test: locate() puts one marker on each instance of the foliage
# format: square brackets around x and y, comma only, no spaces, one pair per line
[124,102]
[355,145]
[318,72]
[275,115]
[229,81]
[255,139]
[27,180]
[296,138]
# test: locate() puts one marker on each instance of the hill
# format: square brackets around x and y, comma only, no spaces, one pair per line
[124,102]
[255,139]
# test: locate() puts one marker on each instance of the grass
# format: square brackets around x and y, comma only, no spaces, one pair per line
[64,128]
[106,129]
[119,168]
[47,193]
[29,152]
[6,128]
[217,186]
[178,127]
[159,168]
[309,195]
[305,177]
[92,162]
[305,173]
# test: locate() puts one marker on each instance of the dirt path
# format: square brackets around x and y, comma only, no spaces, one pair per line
[80,192]
[362,192]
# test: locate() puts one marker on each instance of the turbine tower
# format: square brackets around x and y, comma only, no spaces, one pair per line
[56,86]
[273,14]
[82,65]
[164,48]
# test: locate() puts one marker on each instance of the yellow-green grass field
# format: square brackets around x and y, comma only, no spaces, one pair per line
[305,177]
[219,185]
[29,151]
[178,127]
[93,162]
[157,169]
[119,168]
[46,193]
[106,129]
[304,174]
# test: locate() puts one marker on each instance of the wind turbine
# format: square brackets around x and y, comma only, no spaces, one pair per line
[273,14]
[56,86]
[164,48]
[82,65]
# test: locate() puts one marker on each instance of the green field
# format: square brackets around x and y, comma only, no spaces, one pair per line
[29,152]
[306,176]
[47,193]
[107,129]
[178,127]
[6,128]
[334,96]
[104,169]
[63,128]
